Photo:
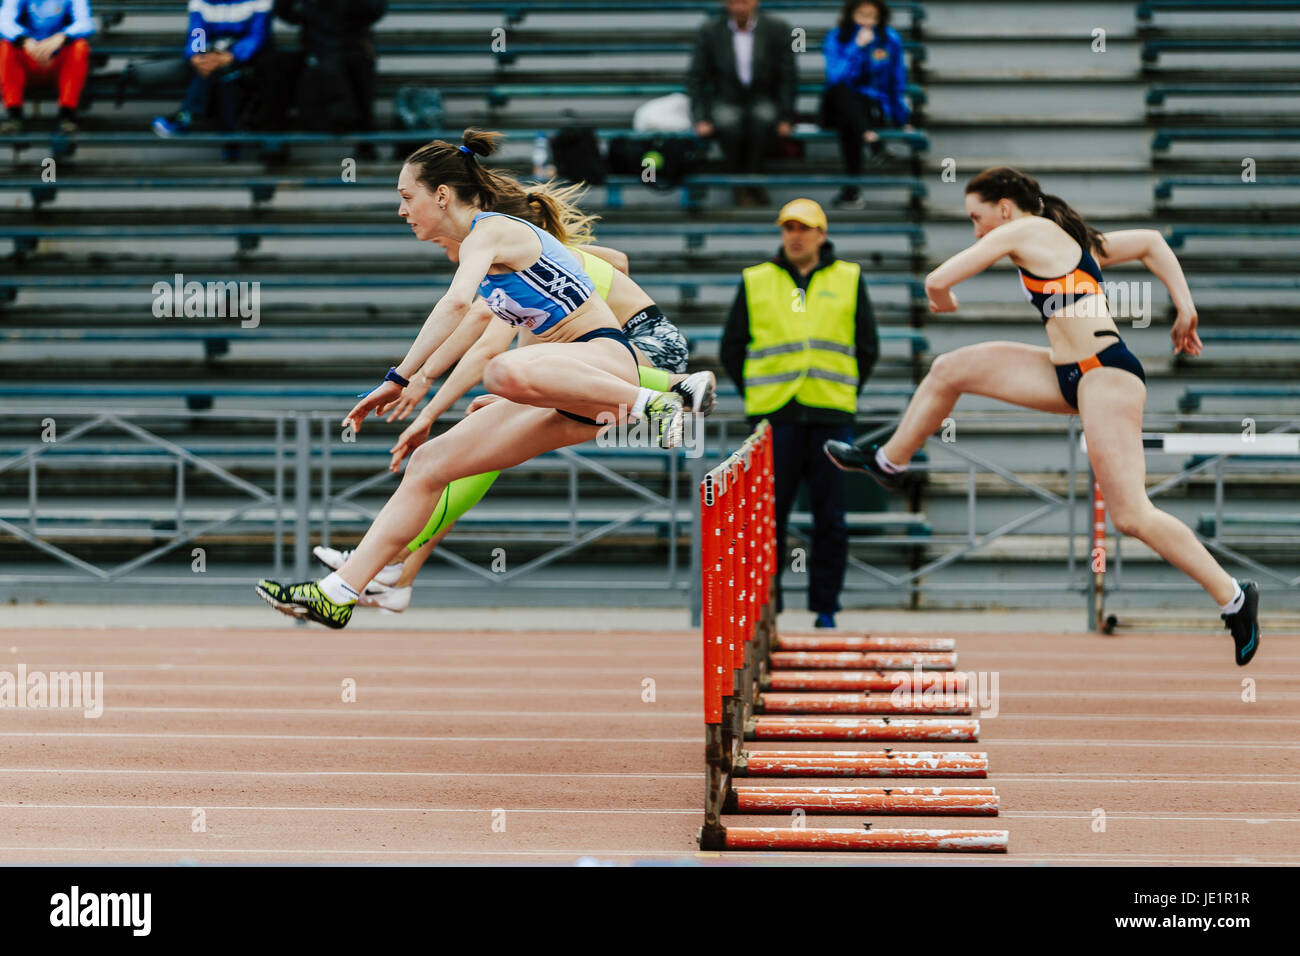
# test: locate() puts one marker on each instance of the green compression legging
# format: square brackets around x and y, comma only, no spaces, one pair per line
[457,498]
[464,493]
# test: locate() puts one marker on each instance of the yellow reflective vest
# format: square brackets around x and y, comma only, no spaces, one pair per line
[801,344]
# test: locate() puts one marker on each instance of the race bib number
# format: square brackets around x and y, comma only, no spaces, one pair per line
[514,313]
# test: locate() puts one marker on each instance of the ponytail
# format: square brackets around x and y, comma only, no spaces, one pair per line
[552,208]
[1003,182]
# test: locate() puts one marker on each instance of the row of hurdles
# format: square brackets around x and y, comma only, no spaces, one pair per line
[759,686]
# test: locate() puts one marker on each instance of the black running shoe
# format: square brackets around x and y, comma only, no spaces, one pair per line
[1244,625]
[304,600]
[848,457]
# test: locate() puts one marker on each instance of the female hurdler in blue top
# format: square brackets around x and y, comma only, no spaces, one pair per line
[583,366]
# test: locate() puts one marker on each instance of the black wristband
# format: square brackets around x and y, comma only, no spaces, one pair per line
[393,376]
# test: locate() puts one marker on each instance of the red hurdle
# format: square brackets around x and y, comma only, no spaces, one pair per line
[817,687]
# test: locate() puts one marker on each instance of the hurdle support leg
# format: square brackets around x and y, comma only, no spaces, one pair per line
[713,836]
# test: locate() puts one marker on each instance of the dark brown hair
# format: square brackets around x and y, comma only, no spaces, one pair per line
[1003,182]
[546,205]
[848,28]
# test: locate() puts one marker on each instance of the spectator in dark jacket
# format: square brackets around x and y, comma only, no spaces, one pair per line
[866,77]
[742,83]
[332,76]
[225,38]
[44,42]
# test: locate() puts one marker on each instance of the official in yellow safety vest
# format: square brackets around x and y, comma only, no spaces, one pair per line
[800,342]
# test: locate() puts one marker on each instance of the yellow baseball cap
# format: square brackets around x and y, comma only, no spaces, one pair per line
[805,211]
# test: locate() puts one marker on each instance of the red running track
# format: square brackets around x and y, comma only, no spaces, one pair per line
[540,747]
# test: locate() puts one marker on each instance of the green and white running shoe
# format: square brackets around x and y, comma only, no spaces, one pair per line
[305,600]
[665,413]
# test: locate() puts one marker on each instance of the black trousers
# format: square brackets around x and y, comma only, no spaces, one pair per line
[798,458]
[746,131]
[851,114]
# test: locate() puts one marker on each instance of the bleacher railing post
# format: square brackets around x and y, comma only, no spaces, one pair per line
[301,494]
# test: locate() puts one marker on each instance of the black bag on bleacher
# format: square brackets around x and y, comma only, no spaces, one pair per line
[677,157]
[575,151]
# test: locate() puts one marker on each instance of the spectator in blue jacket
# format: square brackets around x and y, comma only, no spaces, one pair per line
[866,77]
[44,41]
[224,38]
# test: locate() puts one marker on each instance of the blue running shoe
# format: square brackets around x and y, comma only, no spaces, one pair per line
[824,620]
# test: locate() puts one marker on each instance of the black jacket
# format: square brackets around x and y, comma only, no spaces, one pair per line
[712,76]
[736,338]
[332,26]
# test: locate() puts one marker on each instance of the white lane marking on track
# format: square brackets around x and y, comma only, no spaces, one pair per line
[280,687]
[371,737]
[671,775]
[349,709]
[255,809]
[1248,779]
[1237,747]
[1028,814]
[359,668]
[1134,815]
[845,859]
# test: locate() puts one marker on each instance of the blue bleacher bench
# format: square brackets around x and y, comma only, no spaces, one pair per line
[1190,400]
[1165,186]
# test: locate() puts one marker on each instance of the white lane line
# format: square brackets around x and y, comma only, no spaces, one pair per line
[350,709]
[1027,814]
[695,811]
[1237,747]
[1084,816]
[91,734]
[1169,718]
[529,647]
[352,668]
[1248,779]
[331,687]
[672,775]
[848,859]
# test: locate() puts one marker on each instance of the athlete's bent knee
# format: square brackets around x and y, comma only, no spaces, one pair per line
[1129,521]
[946,371]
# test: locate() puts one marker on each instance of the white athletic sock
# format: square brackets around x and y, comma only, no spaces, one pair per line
[337,590]
[1238,599]
[643,395]
[886,465]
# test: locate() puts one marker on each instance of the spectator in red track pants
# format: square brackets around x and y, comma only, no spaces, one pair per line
[44,41]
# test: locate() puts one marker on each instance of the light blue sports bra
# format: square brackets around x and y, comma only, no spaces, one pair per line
[538,297]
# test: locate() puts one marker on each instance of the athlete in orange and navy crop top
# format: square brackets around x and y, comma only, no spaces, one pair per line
[1049,296]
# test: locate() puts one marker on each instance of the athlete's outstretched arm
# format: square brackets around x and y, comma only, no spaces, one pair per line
[447,354]
[495,339]
[477,253]
[615,258]
[969,262]
[1148,246]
